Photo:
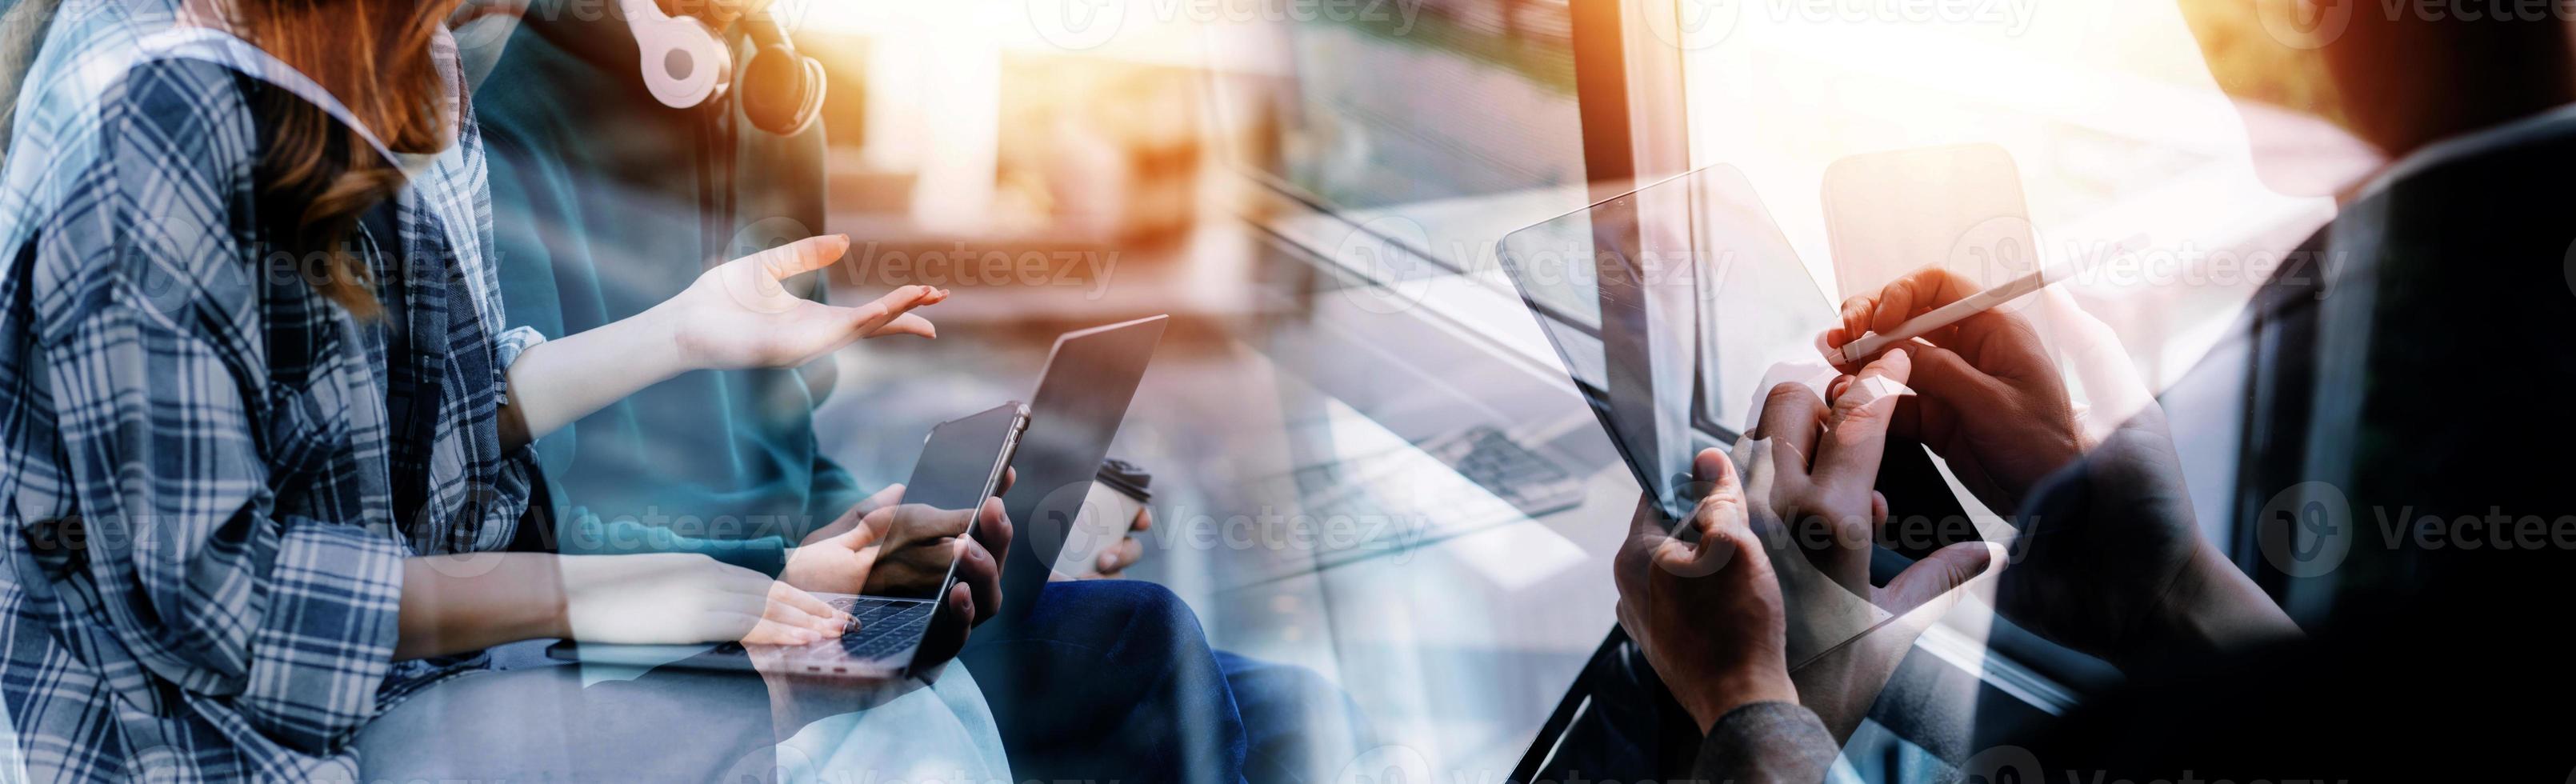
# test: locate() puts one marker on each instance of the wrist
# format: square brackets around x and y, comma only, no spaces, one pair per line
[1722,695]
[659,346]
[788,571]
[2212,606]
[549,609]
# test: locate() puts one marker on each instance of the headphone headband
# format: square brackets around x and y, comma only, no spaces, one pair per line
[687,65]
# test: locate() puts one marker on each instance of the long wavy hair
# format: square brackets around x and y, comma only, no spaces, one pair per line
[375,56]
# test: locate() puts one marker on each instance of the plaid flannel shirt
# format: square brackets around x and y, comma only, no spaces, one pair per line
[210,475]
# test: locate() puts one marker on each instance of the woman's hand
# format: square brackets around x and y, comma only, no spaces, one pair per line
[684,598]
[837,558]
[738,315]
[741,314]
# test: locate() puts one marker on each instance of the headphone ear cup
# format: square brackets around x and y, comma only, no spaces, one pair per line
[782,92]
[818,86]
[685,65]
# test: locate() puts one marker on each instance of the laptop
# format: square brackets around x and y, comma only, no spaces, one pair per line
[1082,396]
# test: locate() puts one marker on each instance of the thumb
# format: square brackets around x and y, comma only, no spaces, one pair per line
[1934,580]
[802,256]
[907,324]
[879,316]
[1941,372]
[1943,379]
[869,530]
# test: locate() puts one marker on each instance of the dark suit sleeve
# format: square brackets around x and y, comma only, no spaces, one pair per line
[1766,742]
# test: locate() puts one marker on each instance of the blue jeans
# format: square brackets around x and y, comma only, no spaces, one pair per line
[1297,726]
[1114,680]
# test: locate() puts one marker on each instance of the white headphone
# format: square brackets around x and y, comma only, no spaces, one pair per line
[685,63]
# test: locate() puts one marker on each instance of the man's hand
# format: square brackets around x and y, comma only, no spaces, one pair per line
[2114,565]
[882,546]
[1992,405]
[1112,562]
[1810,466]
[2111,560]
[1823,461]
[1703,604]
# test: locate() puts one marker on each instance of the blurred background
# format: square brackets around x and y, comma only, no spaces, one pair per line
[1316,189]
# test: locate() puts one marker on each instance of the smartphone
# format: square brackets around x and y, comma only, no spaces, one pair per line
[906,624]
[1959,207]
[961,465]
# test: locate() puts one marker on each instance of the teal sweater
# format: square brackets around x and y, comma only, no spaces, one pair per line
[608,203]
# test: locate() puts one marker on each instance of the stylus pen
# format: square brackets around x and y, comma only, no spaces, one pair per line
[1949,314]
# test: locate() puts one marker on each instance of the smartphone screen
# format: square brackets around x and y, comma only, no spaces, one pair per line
[961,463]
[1959,207]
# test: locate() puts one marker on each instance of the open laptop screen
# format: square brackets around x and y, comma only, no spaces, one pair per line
[1074,416]
[1670,305]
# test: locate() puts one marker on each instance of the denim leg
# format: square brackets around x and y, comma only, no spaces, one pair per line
[1299,727]
[1110,679]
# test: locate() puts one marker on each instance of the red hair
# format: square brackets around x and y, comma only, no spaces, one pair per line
[373,55]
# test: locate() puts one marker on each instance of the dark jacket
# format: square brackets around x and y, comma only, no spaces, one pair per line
[609,203]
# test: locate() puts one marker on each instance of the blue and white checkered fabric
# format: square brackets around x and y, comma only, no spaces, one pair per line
[209,475]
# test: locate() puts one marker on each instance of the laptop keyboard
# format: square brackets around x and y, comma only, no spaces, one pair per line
[884,625]
[1529,481]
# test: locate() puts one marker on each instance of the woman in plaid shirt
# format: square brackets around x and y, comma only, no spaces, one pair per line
[259,426]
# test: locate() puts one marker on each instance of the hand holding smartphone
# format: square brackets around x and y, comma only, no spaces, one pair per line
[960,471]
